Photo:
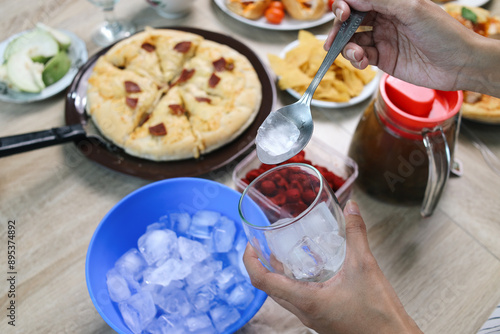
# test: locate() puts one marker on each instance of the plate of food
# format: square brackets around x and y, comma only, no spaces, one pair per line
[343,85]
[39,63]
[171,102]
[478,107]
[290,14]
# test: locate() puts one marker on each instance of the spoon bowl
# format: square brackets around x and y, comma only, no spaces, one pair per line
[287,131]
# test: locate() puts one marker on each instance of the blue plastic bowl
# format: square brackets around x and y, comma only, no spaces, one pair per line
[122,226]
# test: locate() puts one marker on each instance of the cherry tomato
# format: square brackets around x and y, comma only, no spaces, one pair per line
[330,4]
[274,15]
[276,4]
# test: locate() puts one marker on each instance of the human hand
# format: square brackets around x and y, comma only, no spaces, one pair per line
[359,299]
[414,40]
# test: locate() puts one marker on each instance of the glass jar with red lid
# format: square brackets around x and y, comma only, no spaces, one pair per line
[404,142]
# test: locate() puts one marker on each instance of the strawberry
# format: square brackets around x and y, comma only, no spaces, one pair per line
[292,195]
[294,159]
[334,181]
[279,199]
[265,168]
[295,184]
[308,196]
[252,175]
[268,188]
[282,183]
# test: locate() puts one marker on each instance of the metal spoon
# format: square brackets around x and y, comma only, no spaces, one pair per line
[286,131]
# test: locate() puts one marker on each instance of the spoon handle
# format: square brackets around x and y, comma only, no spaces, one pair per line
[345,33]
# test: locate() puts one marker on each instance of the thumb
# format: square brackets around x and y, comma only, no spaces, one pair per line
[355,228]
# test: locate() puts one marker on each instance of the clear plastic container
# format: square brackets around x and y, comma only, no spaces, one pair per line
[319,153]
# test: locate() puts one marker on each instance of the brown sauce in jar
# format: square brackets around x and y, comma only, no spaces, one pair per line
[393,165]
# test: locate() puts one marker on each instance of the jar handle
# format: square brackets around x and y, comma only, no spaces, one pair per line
[438,152]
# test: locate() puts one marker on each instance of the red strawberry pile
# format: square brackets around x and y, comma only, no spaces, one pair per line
[291,188]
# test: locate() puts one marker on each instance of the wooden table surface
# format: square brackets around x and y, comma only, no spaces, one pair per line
[446,268]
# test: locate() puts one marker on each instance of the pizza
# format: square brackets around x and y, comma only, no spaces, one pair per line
[481,107]
[166,94]
[476,106]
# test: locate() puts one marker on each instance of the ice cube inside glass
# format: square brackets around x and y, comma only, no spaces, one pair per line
[298,229]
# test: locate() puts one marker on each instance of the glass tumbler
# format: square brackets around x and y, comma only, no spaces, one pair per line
[294,222]
[112,29]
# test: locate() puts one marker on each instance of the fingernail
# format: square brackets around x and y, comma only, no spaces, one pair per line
[351,54]
[329,35]
[339,13]
[351,208]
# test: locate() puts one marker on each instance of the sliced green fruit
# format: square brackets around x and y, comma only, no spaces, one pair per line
[25,74]
[61,38]
[38,44]
[3,73]
[56,68]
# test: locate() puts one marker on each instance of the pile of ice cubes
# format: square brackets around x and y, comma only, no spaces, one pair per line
[277,135]
[311,249]
[185,276]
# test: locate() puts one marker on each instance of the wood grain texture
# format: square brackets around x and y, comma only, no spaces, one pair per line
[445,268]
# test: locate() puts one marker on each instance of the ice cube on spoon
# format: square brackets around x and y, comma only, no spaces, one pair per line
[276,137]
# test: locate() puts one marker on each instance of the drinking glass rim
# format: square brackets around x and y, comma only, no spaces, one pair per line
[292,220]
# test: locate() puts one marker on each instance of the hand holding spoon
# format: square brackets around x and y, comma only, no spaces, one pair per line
[286,131]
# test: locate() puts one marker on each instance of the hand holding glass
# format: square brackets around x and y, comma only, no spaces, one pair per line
[294,222]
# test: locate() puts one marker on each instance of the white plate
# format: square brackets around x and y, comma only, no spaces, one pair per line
[288,23]
[369,89]
[470,3]
[77,52]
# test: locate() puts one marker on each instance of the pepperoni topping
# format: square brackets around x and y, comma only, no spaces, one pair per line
[158,130]
[148,47]
[203,99]
[132,87]
[222,65]
[182,47]
[219,64]
[177,109]
[213,81]
[185,76]
[131,102]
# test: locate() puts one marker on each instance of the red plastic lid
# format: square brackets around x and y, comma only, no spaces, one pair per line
[418,107]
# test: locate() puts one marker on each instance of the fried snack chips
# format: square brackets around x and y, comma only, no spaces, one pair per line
[341,82]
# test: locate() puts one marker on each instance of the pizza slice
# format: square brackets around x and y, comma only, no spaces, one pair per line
[215,121]
[481,107]
[224,72]
[118,99]
[138,54]
[166,133]
[174,48]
